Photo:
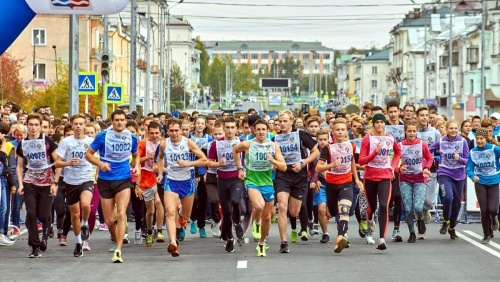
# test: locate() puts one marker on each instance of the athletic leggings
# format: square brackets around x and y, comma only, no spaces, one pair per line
[487,196]
[60,204]
[413,195]
[303,216]
[96,198]
[452,191]
[230,192]
[396,200]
[309,206]
[138,207]
[200,205]
[380,190]
[213,196]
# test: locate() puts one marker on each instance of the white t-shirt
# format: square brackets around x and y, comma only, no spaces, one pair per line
[70,148]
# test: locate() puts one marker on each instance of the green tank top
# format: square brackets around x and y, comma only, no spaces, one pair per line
[259,169]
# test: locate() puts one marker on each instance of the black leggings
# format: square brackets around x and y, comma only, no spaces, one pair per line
[138,207]
[60,204]
[396,200]
[382,191]
[198,211]
[303,215]
[487,196]
[230,192]
[213,196]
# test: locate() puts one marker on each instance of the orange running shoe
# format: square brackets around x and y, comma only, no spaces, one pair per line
[173,249]
[340,244]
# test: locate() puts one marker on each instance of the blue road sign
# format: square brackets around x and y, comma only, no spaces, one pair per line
[114,93]
[87,83]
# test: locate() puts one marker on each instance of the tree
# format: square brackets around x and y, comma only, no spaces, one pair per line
[243,79]
[11,88]
[354,50]
[204,60]
[177,84]
[217,76]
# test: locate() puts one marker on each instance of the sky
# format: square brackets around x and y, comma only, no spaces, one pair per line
[338,24]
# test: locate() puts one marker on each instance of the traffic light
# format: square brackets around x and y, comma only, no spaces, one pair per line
[105,65]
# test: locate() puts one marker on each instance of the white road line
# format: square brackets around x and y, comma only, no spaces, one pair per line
[243,264]
[477,236]
[479,245]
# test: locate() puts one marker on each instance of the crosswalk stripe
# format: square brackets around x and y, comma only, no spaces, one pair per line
[242,264]
[479,245]
[477,236]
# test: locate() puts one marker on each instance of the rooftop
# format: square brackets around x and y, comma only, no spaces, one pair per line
[270,45]
[376,55]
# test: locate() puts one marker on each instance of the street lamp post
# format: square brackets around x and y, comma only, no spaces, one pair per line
[169,55]
[37,38]
[483,83]
[55,56]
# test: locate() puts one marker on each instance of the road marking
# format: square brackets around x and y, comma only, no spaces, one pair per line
[479,245]
[242,264]
[477,236]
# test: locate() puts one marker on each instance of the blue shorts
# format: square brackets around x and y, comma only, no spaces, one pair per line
[266,191]
[183,188]
[320,197]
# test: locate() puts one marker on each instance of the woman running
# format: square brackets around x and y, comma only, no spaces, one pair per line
[454,152]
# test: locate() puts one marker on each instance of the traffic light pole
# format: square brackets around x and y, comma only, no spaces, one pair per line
[133,58]
[74,43]
[104,108]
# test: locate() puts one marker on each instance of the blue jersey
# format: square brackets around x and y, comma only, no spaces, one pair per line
[120,167]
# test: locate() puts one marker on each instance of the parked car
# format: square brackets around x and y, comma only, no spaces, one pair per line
[290,102]
[238,103]
[252,99]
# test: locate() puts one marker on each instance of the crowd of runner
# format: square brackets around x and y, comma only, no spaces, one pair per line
[245,171]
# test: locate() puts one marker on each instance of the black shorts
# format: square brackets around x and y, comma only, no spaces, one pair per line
[109,188]
[72,192]
[295,186]
[335,193]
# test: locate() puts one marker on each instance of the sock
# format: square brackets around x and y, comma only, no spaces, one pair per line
[293,223]
[326,233]
[150,231]
[78,239]
[159,231]
[85,222]
[396,227]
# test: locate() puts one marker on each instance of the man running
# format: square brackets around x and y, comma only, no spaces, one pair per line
[115,145]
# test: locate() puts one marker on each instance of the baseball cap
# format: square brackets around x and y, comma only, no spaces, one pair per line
[129,116]
[252,119]
[495,115]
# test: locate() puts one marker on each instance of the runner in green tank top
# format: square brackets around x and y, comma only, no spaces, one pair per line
[260,157]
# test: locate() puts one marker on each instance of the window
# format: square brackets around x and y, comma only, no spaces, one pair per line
[265,56]
[275,56]
[326,56]
[306,66]
[255,56]
[264,66]
[471,87]
[374,84]
[255,66]
[444,88]
[234,56]
[374,70]
[454,57]
[295,56]
[95,68]
[443,62]
[39,37]
[326,67]
[40,72]
[316,55]
[316,66]
[244,56]
[305,56]
[472,55]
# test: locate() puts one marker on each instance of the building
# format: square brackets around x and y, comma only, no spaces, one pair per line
[371,77]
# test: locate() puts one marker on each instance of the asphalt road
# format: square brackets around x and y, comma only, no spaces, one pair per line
[435,259]
[247,105]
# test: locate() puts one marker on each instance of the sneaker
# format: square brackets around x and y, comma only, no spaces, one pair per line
[35,253]
[39,227]
[138,237]
[230,245]
[325,238]
[149,240]
[486,240]
[316,229]
[4,241]
[303,236]
[310,226]
[43,245]
[494,223]
[261,250]
[413,238]
[340,244]
[182,221]
[193,229]
[86,246]
[381,244]
[160,238]
[125,239]
[173,249]
[113,248]
[59,233]
[203,233]
[21,221]
[284,247]
[256,231]
[103,227]
[51,232]
[182,234]
[274,218]
[347,238]
[266,246]
[369,239]
[371,225]
[239,231]
[293,236]
[396,236]
[444,227]
[421,229]
[85,231]
[453,234]
[62,241]
[117,256]
[427,216]
[78,252]
[363,227]
[215,227]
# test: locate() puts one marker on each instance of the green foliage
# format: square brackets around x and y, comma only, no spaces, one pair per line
[204,60]
[217,76]
[177,84]
[244,78]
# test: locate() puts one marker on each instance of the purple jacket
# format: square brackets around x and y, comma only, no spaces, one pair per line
[447,165]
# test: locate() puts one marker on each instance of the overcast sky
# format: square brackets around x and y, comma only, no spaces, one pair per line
[312,20]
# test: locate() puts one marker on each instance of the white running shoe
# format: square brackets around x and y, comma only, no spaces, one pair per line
[369,239]
[138,237]
[4,241]
[86,246]
[215,227]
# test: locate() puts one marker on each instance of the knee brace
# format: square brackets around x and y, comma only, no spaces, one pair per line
[344,210]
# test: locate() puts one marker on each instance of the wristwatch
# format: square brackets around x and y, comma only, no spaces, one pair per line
[239,169]
[302,164]
[55,183]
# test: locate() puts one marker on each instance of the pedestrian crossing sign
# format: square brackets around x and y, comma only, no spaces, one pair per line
[87,83]
[114,93]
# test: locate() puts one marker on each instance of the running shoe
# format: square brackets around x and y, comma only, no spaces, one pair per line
[369,239]
[266,246]
[182,221]
[310,226]
[486,240]
[149,240]
[103,227]
[371,225]
[347,238]
[256,231]
[173,249]
[274,218]
[113,248]
[230,245]
[203,233]
[381,244]
[125,239]
[453,234]
[340,244]
[85,231]
[413,238]
[239,231]
[494,223]
[117,256]
[193,229]
[138,237]
[325,238]
[39,227]
[444,227]
[293,236]
[427,216]
[284,247]
[421,229]
[86,246]
[35,253]
[160,238]
[51,231]
[396,236]
[43,245]
[261,250]
[215,227]
[4,241]
[62,241]
[78,252]
[303,236]
[363,228]
[59,233]
[182,234]
[316,229]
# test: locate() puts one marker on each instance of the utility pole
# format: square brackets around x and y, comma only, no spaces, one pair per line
[483,83]
[74,43]
[161,102]
[450,66]
[169,54]
[133,57]
[105,79]
[147,97]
